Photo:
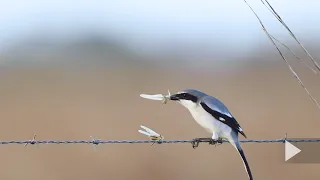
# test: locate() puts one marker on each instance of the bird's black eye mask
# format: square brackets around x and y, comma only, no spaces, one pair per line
[184,96]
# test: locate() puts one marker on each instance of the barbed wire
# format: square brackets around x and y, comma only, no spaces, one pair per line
[99,141]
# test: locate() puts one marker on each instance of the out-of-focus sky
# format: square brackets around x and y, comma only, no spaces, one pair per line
[148,23]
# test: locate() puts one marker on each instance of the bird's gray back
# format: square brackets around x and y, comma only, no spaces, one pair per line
[216,105]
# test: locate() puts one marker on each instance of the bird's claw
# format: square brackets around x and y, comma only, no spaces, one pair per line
[216,142]
[195,143]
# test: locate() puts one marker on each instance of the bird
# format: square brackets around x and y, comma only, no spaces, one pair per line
[210,113]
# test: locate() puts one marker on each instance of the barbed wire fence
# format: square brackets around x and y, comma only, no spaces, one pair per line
[100,141]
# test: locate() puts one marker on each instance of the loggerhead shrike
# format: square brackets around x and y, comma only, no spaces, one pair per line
[213,116]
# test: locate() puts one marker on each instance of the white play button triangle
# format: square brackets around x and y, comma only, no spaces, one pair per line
[290,150]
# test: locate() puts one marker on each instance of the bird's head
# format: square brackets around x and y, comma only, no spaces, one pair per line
[189,98]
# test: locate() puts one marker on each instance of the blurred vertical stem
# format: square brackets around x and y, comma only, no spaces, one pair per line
[285,60]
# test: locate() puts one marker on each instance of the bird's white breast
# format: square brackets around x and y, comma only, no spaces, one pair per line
[208,122]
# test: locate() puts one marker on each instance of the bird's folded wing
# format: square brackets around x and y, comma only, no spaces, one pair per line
[220,112]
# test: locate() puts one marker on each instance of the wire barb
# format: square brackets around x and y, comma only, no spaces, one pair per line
[32,141]
[285,138]
[95,142]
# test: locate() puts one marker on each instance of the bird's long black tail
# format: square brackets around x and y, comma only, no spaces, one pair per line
[236,144]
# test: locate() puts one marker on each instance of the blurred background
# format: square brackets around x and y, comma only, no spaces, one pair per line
[71,70]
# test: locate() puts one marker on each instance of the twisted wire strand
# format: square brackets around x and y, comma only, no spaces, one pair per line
[96,142]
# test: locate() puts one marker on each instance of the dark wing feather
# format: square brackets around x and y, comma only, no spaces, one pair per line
[220,112]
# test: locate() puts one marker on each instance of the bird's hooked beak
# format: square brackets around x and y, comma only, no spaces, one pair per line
[174,97]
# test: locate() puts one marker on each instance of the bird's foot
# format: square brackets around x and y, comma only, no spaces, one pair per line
[216,142]
[195,143]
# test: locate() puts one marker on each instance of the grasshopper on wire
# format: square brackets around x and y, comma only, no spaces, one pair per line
[152,134]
